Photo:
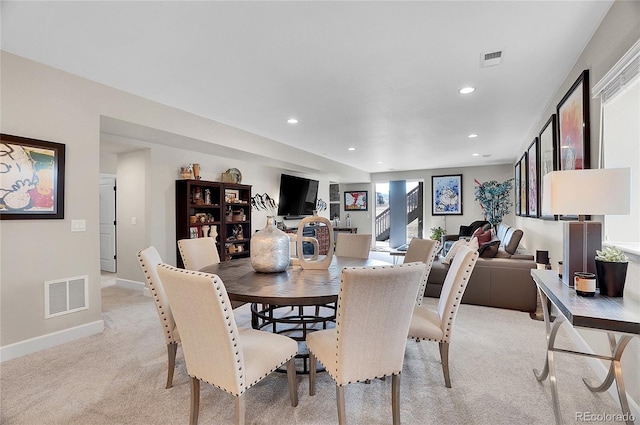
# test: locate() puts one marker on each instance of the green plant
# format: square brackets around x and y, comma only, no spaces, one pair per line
[611,255]
[437,233]
[495,199]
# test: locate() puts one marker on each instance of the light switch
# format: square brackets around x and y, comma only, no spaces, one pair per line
[78,225]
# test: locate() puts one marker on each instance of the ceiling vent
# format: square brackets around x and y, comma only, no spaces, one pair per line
[491,59]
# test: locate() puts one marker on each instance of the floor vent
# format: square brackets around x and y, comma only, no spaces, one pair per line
[491,59]
[65,296]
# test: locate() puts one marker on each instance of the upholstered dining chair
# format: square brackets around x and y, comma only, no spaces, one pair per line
[353,245]
[198,253]
[437,325]
[215,350]
[424,250]
[149,259]
[369,339]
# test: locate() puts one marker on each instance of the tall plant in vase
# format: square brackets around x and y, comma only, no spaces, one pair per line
[495,199]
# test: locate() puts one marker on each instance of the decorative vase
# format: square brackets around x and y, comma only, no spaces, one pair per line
[321,263]
[611,277]
[270,249]
[196,171]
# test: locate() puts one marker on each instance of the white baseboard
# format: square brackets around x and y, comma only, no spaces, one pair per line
[132,284]
[601,370]
[22,348]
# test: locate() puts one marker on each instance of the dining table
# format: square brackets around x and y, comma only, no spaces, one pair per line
[292,302]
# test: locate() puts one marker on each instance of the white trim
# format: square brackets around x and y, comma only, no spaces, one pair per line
[22,348]
[133,284]
[620,76]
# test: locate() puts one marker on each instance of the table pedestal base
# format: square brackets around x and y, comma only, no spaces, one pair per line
[294,322]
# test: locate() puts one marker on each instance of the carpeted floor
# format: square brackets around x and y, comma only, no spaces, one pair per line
[118,377]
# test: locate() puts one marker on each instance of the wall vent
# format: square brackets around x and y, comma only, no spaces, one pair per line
[491,58]
[64,296]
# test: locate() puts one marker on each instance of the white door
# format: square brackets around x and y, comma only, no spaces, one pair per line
[108,224]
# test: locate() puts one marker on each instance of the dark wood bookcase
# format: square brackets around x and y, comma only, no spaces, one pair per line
[202,206]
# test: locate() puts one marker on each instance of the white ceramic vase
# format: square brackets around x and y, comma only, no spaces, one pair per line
[270,249]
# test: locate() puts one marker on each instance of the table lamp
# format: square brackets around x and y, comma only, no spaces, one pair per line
[603,191]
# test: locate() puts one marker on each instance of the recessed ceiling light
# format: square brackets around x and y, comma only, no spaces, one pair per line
[471,136]
[467,90]
[351,149]
[292,121]
[475,154]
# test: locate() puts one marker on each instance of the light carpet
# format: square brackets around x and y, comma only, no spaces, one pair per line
[118,377]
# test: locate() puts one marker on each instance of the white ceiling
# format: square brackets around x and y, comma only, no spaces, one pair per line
[382,77]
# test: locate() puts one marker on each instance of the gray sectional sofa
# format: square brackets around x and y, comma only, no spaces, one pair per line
[501,277]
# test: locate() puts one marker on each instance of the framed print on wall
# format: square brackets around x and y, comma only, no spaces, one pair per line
[356,200]
[516,186]
[573,126]
[446,195]
[523,185]
[533,199]
[548,148]
[573,129]
[31,178]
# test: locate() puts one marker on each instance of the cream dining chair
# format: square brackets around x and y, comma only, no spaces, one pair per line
[369,339]
[215,350]
[353,245]
[424,250]
[198,252]
[437,325]
[149,258]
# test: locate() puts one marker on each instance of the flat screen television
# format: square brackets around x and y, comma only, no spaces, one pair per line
[298,196]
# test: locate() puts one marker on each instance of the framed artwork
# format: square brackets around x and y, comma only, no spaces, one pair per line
[356,200]
[446,195]
[533,199]
[573,126]
[194,232]
[231,195]
[517,188]
[548,148]
[573,129]
[523,185]
[31,178]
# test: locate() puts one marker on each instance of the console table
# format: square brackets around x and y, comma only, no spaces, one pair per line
[615,316]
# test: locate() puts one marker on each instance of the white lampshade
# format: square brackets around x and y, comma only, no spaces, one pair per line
[587,192]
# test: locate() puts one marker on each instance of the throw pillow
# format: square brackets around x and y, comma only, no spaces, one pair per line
[483,236]
[452,251]
[489,249]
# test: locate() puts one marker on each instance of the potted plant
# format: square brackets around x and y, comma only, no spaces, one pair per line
[611,271]
[437,233]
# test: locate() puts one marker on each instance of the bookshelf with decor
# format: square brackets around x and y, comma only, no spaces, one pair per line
[236,229]
[220,210]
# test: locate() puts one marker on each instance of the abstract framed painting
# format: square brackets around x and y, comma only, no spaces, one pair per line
[356,200]
[573,129]
[548,148]
[516,186]
[31,178]
[533,198]
[573,125]
[523,185]
[446,195]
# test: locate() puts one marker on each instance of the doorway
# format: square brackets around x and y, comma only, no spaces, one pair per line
[108,260]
